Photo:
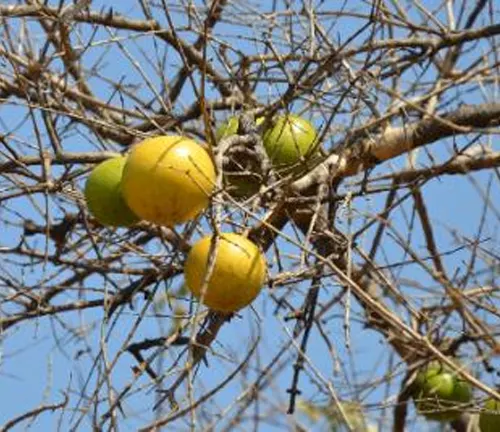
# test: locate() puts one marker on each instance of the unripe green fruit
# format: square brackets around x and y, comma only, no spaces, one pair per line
[439,393]
[290,139]
[488,420]
[104,197]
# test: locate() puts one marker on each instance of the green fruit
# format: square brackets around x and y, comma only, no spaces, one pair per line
[104,197]
[440,394]
[463,391]
[442,385]
[488,420]
[290,139]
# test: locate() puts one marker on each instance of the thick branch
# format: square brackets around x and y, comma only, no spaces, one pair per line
[396,141]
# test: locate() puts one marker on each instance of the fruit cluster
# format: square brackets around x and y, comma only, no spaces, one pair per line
[289,142]
[289,138]
[441,395]
[167,180]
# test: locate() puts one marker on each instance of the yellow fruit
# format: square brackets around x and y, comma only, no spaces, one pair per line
[104,197]
[168,179]
[237,277]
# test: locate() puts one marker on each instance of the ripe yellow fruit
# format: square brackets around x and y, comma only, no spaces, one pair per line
[237,277]
[168,179]
[104,196]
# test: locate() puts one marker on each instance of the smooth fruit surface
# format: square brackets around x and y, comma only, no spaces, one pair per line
[168,179]
[488,420]
[237,276]
[104,197]
[439,393]
[289,139]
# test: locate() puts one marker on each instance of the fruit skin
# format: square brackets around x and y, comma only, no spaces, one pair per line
[168,179]
[237,277]
[439,393]
[103,193]
[289,139]
[489,421]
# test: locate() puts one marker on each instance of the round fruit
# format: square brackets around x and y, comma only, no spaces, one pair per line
[104,197]
[168,179]
[488,420]
[439,393]
[289,139]
[237,276]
